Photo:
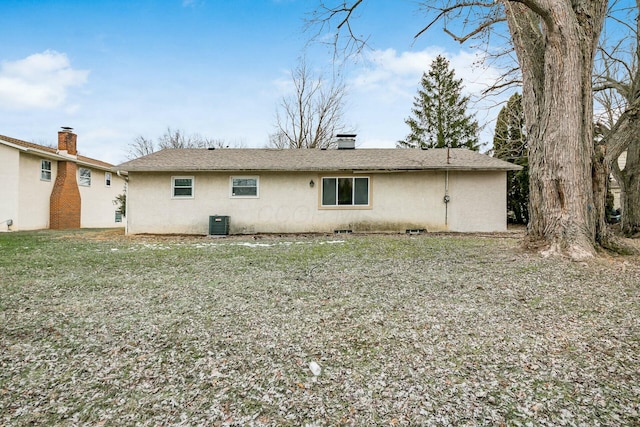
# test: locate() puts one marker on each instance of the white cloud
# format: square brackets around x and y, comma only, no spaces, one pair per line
[41,80]
[384,89]
[400,73]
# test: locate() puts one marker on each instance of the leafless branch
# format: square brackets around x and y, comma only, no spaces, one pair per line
[479,29]
[446,11]
[312,115]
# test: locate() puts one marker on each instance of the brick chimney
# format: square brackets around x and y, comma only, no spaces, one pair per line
[67,141]
[64,203]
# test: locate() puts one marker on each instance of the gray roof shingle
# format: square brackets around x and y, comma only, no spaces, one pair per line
[363,159]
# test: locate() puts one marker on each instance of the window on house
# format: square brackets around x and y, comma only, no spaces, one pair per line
[118,216]
[348,191]
[85,177]
[182,186]
[45,170]
[244,186]
[107,179]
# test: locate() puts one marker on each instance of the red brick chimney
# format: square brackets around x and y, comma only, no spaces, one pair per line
[67,141]
[64,203]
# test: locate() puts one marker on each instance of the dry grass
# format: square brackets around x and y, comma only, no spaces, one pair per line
[99,329]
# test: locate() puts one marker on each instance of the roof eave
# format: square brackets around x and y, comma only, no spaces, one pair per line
[342,169]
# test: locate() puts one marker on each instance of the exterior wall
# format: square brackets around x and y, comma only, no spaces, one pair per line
[33,212]
[478,201]
[287,203]
[10,188]
[98,210]
[25,198]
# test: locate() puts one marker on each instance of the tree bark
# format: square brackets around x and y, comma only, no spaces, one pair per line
[555,41]
[624,136]
[630,198]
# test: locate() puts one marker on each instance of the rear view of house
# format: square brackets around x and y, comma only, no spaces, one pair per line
[313,190]
[45,187]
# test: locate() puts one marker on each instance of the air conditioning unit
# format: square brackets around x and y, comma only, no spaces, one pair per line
[218,225]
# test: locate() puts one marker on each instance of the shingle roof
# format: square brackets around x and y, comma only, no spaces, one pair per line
[53,151]
[362,159]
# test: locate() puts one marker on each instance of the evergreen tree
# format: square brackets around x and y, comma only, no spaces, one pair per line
[439,112]
[510,144]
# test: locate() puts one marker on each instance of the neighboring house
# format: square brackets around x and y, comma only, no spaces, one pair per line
[614,186]
[44,187]
[311,190]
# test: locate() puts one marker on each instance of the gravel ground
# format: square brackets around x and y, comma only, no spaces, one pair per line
[104,330]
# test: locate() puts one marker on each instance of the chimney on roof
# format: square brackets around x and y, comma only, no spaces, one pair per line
[65,203]
[346,141]
[67,141]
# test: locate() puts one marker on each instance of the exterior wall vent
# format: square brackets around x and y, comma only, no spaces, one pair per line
[415,230]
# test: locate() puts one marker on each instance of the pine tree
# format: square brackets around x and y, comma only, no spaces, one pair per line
[439,112]
[510,144]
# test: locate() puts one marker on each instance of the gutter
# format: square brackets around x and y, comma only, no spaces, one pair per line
[55,156]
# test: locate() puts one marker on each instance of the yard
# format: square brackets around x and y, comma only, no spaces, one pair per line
[101,329]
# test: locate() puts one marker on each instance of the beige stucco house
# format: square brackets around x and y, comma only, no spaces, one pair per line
[45,187]
[312,190]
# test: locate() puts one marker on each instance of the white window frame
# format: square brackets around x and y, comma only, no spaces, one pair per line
[231,187]
[179,196]
[85,180]
[107,179]
[353,205]
[45,174]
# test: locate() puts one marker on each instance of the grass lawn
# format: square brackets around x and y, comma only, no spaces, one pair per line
[105,330]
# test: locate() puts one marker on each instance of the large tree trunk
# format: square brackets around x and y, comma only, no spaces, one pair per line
[555,42]
[600,180]
[624,136]
[630,197]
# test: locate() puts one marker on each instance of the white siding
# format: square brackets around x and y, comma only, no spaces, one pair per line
[9,189]
[98,209]
[35,194]
[25,197]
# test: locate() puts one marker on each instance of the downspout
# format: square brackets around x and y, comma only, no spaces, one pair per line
[447,199]
[126,202]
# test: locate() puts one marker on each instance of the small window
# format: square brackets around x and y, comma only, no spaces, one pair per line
[85,177]
[244,186]
[107,179]
[348,191]
[118,216]
[45,170]
[182,186]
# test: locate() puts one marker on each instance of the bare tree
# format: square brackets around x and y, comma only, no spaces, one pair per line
[555,42]
[312,115]
[617,86]
[177,138]
[140,146]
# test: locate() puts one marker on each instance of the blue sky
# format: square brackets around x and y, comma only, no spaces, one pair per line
[115,70]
